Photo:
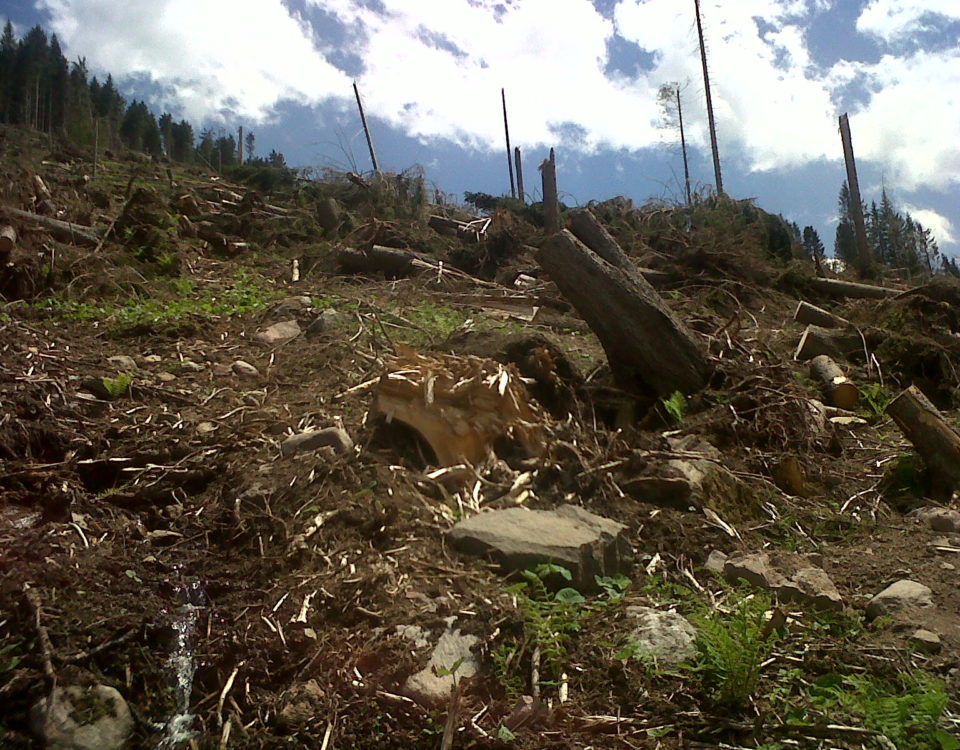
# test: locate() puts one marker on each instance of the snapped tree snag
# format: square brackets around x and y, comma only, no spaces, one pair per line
[459,405]
[646,344]
[935,440]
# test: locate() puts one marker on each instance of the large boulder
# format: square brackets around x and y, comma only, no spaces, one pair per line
[82,718]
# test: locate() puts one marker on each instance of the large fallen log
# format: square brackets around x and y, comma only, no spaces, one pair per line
[392,262]
[816,341]
[935,440]
[851,289]
[74,234]
[837,387]
[808,314]
[643,339]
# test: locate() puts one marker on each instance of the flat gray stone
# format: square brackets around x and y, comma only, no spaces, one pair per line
[790,576]
[326,322]
[926,641]
[940,519]
[82,718]
[244,369]
[665,638]
[291,306]
[586,544]
[897,596]
[715,562]
[123,362]
[335,437]
[427,686]
[188,365]
[278,333]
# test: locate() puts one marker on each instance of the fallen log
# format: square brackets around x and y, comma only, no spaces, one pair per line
[75,234]
[852,289]
[808,314]
[935,440]
[588,229]
[643,339]
[816,341]
[392,262]
[839,390]
[8,240]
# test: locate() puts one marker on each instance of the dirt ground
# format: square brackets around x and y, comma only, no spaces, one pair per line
[166,537]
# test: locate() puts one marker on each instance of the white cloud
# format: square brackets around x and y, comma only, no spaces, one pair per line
[213,55]
[892,19]
[940,226]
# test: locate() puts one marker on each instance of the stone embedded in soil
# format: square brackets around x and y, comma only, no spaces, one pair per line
[152,359]
[244,369]
[123,362]
[325,322]
[335,437]
[278,333]
[940,519]
[188,365]
[663,638]
[715,562]
[82,718]
[433,683]
[291,306]
[926,641]
[300,704]
[790,576]
[899,596]
[587,544]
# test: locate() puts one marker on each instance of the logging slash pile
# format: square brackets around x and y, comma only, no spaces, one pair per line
[341,466]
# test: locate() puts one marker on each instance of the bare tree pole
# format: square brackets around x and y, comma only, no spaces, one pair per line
[366,130]
[506,130]
[516,156]
[240,146]
[551,207]
[683,147]
[706,88]
[856,204]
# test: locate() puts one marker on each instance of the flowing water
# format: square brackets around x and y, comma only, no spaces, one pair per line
[179,728]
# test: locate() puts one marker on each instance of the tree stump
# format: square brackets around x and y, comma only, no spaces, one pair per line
[935,440]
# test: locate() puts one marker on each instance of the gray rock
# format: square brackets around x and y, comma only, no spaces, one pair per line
[300,704]
[166,377]
[291,306]
[328,214]
[244,369]
[940,519]
[82,718]
[587,544]
[123,362]
[326,322]
[335,437]
[715,562]
[790,576]
[926,641]
[415,634]
[278,333]
[152,359]
[188,365]
[665,638]
[427,686]
[897,596]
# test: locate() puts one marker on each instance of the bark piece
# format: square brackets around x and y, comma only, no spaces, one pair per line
[816,341]
[643,339]
[839,390]
[935,440]
[74,234]
[851,289]
[460,405]
[808,314]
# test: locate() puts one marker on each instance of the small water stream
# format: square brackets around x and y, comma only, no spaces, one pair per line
[179,728]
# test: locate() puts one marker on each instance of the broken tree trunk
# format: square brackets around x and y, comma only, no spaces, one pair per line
[8,240]
[851,289]
[816,341]
[643,339]
[808,314]
[551,204]
[837,387]
[64,231]
[935,440]
[594,235]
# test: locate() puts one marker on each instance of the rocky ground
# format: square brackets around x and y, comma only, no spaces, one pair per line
[211,535]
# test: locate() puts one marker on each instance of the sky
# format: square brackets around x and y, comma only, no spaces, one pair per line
[581,76]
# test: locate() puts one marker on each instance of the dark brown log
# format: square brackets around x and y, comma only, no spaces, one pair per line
[839,390]
[551,204]
[8,240]
[935,440]
[64,231]
[851,289]
[588,229]
[808,314]
[643,339]
[816,341]
[387,260]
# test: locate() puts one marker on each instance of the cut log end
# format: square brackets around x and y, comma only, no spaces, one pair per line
[838,389]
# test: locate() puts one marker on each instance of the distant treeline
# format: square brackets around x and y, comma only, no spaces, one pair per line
[40,89]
